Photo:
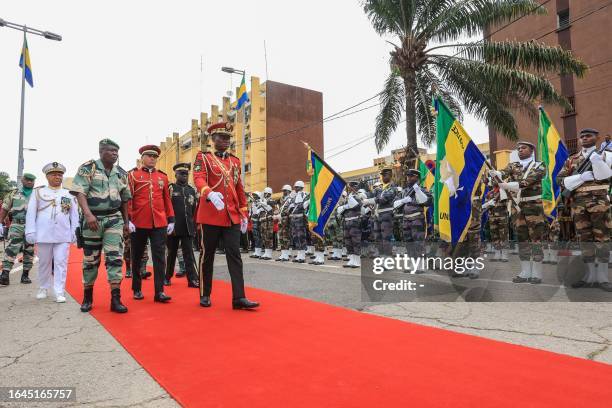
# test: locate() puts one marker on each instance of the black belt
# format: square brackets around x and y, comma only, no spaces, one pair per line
[20,222]
[98,213]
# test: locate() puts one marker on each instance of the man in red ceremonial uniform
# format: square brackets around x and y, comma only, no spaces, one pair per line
[222,213]
[151,218]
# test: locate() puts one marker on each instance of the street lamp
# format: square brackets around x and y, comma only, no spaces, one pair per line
[26,30]
[230,70]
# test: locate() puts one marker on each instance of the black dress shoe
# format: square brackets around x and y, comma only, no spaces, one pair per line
[167,282]
[25,278]
[244,303]
[205,301]
[145,274]
[193,284]
[161,297]
[180,274]
[579,284]
[535,281]
[518,279]
[138,295]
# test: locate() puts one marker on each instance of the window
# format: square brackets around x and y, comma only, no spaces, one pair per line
[563,19]
[247,167]
[572,101]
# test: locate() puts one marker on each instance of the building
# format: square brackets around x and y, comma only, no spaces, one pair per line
[278,118]
[582,26]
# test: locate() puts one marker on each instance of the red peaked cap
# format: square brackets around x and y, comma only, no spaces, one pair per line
[149,149]
[220,128]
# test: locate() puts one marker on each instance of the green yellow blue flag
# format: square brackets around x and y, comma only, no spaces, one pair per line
[243,96]
[28,65]
[553,153]
[427,177]
[459,165]
[326,188]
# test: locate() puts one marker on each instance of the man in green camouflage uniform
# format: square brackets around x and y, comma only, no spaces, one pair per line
[590,207]
[15,205]
[101,188]
[334,234]
[497,204]
[524,180]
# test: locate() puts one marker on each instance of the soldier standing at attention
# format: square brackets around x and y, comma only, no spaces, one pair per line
[151,219]
[266,223]
[183,198]
[102,191]
[351,211]
[591,207]
[15,205]
[525,180]
[284,230]
[255,214]
[384,211]
[497,204]
[298,226]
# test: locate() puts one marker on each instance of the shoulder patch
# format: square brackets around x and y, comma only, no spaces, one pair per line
[122,171]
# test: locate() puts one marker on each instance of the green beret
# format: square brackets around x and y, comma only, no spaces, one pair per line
[29,176]
[108,142]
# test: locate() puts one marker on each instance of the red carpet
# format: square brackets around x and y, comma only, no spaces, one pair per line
[299,353]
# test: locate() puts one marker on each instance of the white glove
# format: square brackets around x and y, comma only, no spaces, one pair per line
[572,182]
[398,203]
[369,201]
[340,209]
[601,167]
[512,186]
[1,229]
[595,158]
[216,199]
[495,174]
[131,227]
[170,228]
[31,238]
[419,195]
[587,176]
[488,204]
[243,225]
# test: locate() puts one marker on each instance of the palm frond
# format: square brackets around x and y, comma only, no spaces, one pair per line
[392,104]
[386,16]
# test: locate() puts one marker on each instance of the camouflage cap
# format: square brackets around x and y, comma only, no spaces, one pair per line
[108,142]
[29,176]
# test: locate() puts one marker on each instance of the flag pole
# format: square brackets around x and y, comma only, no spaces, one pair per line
[21,121]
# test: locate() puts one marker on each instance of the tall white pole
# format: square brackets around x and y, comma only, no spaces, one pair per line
[243,161]
[21,122]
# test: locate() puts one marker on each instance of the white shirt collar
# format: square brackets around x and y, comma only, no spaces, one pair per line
[587,150]
[525,162]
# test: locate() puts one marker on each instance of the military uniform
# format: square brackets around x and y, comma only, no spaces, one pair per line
[351,213]
[15,204]
[497,205]
[269,209]
[284,228]
[384,217]
[591,212]
[105,191]
[298,226]
[183,198]
[334,236]
[255,213]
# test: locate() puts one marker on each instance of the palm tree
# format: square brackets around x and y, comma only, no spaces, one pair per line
[487,78]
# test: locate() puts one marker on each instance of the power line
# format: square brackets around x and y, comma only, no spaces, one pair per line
[576,19]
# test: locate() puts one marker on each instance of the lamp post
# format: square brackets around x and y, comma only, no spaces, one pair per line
[26,30]
[243,109]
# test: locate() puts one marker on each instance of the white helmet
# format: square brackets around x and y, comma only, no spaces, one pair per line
[299,183]
[286,187]
[268,190]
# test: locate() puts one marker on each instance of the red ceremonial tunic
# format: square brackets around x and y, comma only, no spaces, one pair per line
[150,206]
[219,172]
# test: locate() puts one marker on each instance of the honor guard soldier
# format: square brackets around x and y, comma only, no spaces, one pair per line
[151,219]
[587,175]
[102,191]
[183,198]
[524,180]
[255,213]
[222,213]
[497,205]
[51,223]
[351,211]
[334,235]
[412,205]
[15,205]
[284,230]
[298,226]
[384,198]
[266,222]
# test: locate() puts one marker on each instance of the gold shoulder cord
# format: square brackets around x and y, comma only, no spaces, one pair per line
[51,203]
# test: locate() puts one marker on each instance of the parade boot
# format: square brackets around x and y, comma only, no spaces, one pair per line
[496,256]
[284,256]
[267,255]
[473,273]
[356,261]
[243,304]
[504,255]
[350,263]
[525,273]
[301,257]
[319,259]
[602,276]
[25,278]
[4,278]
[87,300]
[553,258]
[128,273]
[343,253]
[546,259]
[289,255]
[116,305]
[536,272]
[588,277]
[256,254]
[310,250]
[42,293]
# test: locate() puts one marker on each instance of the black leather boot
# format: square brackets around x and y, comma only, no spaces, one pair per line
[87,300]
[4,278]
[25,278]
[116,305]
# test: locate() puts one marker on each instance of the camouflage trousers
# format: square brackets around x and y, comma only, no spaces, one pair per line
[284,233]
[317,242]
[266,226]
[413,229]
[127,252]
[334,236]
[352,236]
[498,227]
[257,234]
[593,223]
[470,246]
[531,229]
[108,238]
[383,232]
[16,244]
[298,233]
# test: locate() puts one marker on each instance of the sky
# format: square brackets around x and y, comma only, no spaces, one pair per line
[130,71]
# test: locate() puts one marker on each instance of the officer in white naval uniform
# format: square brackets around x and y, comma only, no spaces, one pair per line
[51,221]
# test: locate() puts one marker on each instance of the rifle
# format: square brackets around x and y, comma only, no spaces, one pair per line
[585,166]
[499,180]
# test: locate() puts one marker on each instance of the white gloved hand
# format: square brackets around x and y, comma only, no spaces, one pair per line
[398,203]
[495,173]
[131,227]
[31,238]
[170,228]
[511,186]
[340,209]
[587,176]
[216,199]
[369,201]
[243,225]
[595,158]
[1,229]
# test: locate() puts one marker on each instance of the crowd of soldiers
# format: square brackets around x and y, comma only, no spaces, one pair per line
[379,220]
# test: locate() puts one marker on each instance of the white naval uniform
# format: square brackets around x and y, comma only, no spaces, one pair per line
[53,216]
